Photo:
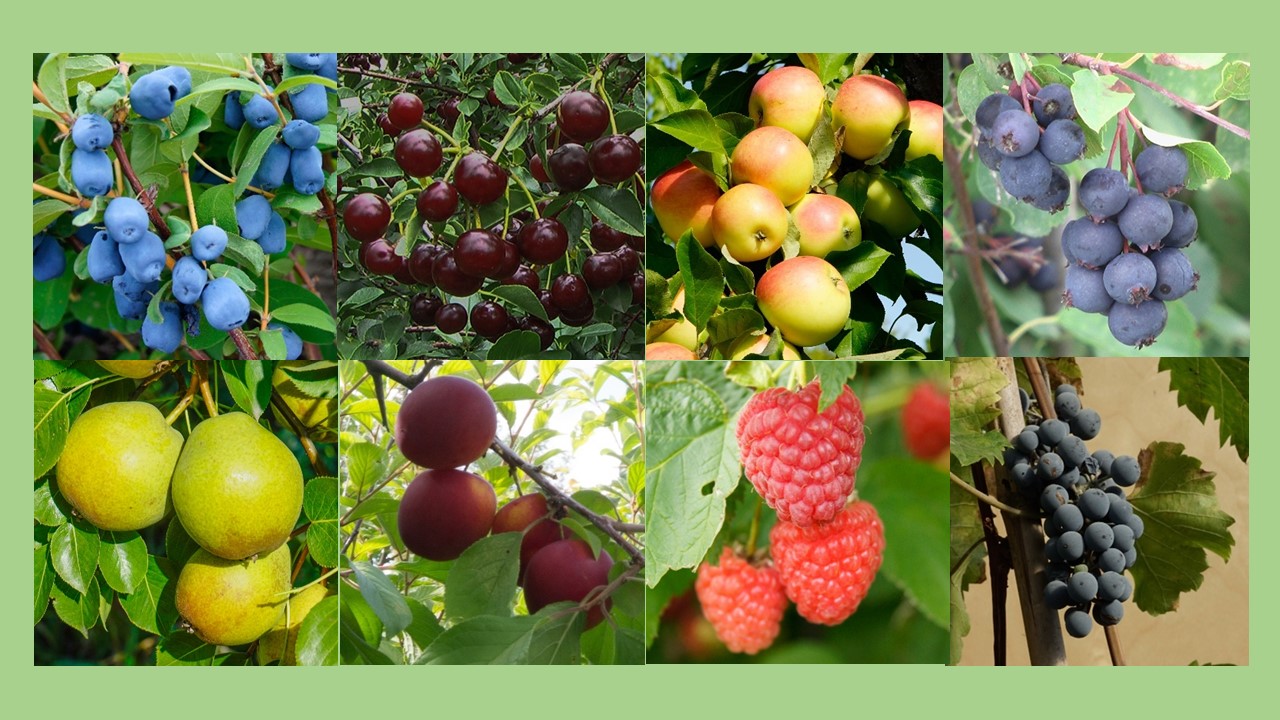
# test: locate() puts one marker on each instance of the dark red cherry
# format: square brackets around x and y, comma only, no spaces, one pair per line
[366,217]
[421,261]
[510,261]
[451,318]
[418,153]
[538,170]
[602,270]
[449,111]
[385,123]
[629,258]
[605,238]
[614,159]
[492,98]
[479,179]
[423,309]
[405,111]
[438,201]
[544,241]
[545,332]
[449,278]
[637,289]
[569,168]
[582,116]
[523,276]
[548,305]
[402,274]
[381,258]
[569,292]
[579,316]
[478,253]
[489,320]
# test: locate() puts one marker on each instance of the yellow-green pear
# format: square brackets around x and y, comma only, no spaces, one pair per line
[136,369]
[281,642]
[233,602]
[116,465]
[237,488]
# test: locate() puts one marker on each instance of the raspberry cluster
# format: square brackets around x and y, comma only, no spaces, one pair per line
[1091,529]
[825,553]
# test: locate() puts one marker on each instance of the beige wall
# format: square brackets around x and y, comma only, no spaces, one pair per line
[1212,623]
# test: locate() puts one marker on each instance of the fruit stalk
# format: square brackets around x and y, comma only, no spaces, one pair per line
[43,341]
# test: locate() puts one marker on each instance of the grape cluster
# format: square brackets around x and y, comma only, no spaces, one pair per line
[1125,258]
[1091,528]
[1026,147]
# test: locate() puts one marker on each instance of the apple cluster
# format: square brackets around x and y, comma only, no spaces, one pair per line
[456,257]
[770,197]
[445,424]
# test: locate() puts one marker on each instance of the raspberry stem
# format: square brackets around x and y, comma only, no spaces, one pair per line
[755,529]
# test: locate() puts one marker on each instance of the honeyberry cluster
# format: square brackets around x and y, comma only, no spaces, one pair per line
[1027,144]
[1125,258]
[1091,529]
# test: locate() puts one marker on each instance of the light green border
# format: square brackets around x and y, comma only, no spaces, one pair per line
[761,691]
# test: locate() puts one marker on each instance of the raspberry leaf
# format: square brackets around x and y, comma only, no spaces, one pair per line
[909,496]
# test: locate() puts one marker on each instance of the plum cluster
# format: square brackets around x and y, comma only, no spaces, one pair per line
[1091,529]
[1125,257]
[1027,144]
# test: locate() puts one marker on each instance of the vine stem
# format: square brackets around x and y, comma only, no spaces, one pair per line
[984,497]
[265,193]
[998,339]
[1103,67]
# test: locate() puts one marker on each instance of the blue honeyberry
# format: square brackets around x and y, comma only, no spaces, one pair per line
[91,172]
[1093,504]
[260,113]
[1103,192]
[153,95]
[48,262]
[1098,537]
[225,305]
[1015,133]
[1084,290]
[1062,142]
[310,62]
[1053,102]
[1122,534]
[144,260]
[126,220]
[252,215]
[273,168]
[92,132]
[1055,594]
[1053,432]
[1138,325]
[292,343]
[1175,276]
[1125,470]
[208,242]
[310,102]
[1054,197]
[1086,424]
[1092,244]
[273,238]
[1069,518]
[328,66]
[1026,176]
[1161,170]
[103,260]
[300,134]
[165,335]
[1082,587]
[1078,623]
[131,296]
[181,78]
[1146,220]
[1108,613]
[991,108]
[232,110]
[189,279]
[1185,226]
[1111,560]
[1130,278]
[307,170]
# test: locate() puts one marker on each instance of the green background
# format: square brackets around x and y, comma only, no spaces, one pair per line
[654,691]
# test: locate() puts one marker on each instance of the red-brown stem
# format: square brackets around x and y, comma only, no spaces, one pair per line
[46,346]
[147,202]
[999,340]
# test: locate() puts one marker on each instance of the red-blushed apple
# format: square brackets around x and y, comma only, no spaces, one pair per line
[773,158]
[446,422]
[926,130]
[683,333]
[887,207]
[749,222]
[790,98]
[805,298]
[530,515]
[682,198]
[443,512]
[827,224]
[872,111]
[755,344]
[667,351]
[566,571]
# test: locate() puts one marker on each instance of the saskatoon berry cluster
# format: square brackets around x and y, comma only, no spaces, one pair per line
[1091,528]
[510,252]
[133,259]
[1027,148]
[1125,257]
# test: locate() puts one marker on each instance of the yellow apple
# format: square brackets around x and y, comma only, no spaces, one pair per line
[790,98]
[872,110]
[683,333]
[755,344]
[926,130]
[681,199]
[749,221]
[667,351]
[805,298]
[889,208]
[827,224]
[776,159]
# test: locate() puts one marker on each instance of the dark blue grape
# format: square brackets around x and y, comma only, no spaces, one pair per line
[1068,517]
[1098,537]
[1027,441]
[1055,594]
[1122,537]
[1067,405]
[1111,560]
[1083,587]
[1125,470]
[1053,432]
[1109,613]
[1072,451]
[1053,497]
[1104,458]
[1130,557]
[1050,467]
[1135,523]
[1078,623]
[1120,510]
[1110,586]
[1093,504]
[1087,424]
[1070,546]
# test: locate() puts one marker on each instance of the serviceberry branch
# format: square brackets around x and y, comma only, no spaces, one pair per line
[999,341]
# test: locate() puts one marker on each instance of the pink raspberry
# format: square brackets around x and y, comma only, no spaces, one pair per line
[827,569]
[744,603]
[802,462]
[926,422]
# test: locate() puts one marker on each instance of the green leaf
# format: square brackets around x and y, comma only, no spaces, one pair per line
[178,545]
[1218,384]
[52,80]
[123,559]
[182,649]
[51,508]
[1095,101]
[78,610]
[425,627]
[52,422]
[320,503]
[482,641]
[383,597]
[657,597]
[911,498]
[515,345]
[249,385]
[703,280]
[74,550]
[318,634]
[219,63]
[482,580]
[1178,505]
[520,296]
[43,579]
[512,392]
[616,207]
[151,605]
[975,390]
[365,464]
[556,639]
[692,467]
[860,264]
[307,315]
[253,157]
[45,212]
